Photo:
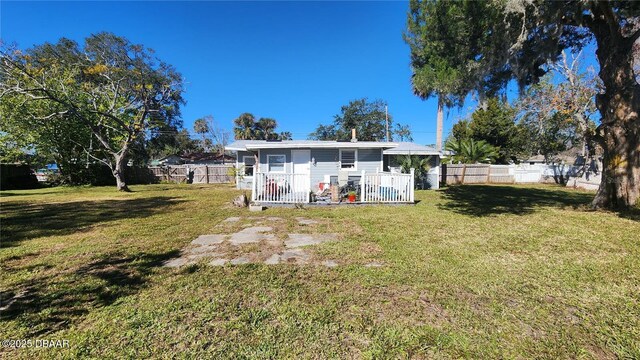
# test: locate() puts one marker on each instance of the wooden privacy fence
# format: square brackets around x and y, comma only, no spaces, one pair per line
[476,174]
[196,174]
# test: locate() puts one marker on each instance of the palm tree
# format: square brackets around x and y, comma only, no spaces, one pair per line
[420,167]
[244,124]
[470,151]
[265,129]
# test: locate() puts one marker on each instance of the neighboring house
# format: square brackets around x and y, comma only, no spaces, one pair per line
[208,158]
[167,160]
[195,159]
[324,162]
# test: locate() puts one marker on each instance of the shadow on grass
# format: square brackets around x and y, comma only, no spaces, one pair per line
[23,220]
[631,214]
[485,200]
[46,304]
[38,192]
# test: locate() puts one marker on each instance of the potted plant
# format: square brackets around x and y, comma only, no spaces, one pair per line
[352,196]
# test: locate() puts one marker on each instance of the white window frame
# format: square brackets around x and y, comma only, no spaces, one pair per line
[244,165]
[355,160]
[284,163]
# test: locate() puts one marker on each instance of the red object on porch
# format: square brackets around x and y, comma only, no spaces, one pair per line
[352,198]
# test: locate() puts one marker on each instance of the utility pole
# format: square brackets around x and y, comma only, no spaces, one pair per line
[386,119]
[439,124]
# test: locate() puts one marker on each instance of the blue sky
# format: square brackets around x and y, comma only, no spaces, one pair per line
[297,62]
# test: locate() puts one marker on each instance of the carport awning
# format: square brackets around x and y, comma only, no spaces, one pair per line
[407,148]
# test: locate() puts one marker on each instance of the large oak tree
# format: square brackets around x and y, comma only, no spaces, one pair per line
[516,39]
[109,87]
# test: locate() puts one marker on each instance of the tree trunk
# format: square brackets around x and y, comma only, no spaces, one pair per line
[439,124]
[118,173]
[619,132]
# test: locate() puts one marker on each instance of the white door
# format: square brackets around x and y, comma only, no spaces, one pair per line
[301,160]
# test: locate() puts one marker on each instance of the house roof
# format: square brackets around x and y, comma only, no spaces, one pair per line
[408,148]
[244,145]
[206,156]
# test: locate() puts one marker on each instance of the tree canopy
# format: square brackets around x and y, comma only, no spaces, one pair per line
[97,99]
[556,116]
[369,120]
[246,127]
[213,137]
[494,124]
[168,140]
[503,40]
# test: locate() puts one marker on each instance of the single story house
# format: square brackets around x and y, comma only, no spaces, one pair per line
[324,162]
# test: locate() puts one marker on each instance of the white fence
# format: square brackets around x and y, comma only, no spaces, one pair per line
[280,188]
[387,187]
[571,175]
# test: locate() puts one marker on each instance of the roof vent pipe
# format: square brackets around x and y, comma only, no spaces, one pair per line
[353,135]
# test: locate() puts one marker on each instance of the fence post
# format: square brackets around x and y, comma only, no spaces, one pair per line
[254,186]
[362,187]
[206,173]
[412,185]
[489,175]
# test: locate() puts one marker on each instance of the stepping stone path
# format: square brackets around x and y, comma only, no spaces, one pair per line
[298,240]
[290,251]
[303,221]
[373,264]
[329,263]
[252,234]
[240,260]
[297,256]
[218,262]
[273,259]
[208,239]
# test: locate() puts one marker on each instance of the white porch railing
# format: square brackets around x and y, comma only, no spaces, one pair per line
[387,187]
[280,188]
[379,187]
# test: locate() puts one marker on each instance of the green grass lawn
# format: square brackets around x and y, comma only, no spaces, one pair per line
[468,272]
